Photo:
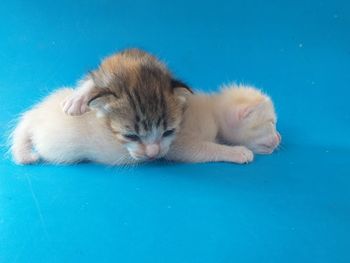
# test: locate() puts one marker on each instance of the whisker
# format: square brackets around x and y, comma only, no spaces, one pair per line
[125,164]
[121,163]
[281,147]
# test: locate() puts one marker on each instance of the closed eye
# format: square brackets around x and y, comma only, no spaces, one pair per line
[168,132]
[132,137]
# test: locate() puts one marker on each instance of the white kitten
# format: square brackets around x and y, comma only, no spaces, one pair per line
[238,115]
[59,138]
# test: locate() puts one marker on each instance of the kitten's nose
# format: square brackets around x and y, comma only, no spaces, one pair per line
[278,137]
[152,150]
[276,140]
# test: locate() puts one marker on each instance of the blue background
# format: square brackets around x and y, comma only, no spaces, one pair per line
[292,206]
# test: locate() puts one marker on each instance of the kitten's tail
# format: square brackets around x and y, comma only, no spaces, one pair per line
[21,143]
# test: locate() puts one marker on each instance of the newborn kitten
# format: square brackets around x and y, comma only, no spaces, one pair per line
[238,115]
[139,97]
[139,100]
[248,118]
[46,132]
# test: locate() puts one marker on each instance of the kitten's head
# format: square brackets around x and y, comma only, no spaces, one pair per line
[249,119]
[141,103]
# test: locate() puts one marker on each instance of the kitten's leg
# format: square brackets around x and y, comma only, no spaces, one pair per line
[77,103]
[198,152]
[21,148]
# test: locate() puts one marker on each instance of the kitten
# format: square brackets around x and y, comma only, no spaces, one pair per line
[134,93]
[58,138]
[238,115]
[248,118]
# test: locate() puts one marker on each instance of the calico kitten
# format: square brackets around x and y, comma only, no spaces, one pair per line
[226,126]
[139,98]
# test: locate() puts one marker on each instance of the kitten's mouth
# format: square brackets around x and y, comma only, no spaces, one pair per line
[268,148]
[265,149]
[159,156]
[138,157]
[143,158]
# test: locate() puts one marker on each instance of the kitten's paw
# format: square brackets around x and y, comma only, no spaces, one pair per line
[242,155]
[75,104]
[27,158]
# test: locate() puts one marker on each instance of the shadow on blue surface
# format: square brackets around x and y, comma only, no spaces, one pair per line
[292,206]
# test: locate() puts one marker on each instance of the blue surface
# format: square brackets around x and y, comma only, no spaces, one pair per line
[292,206]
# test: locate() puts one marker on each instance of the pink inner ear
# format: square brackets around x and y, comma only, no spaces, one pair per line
[235,115]
[244,112]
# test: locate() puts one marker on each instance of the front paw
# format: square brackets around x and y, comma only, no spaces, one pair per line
[75,105]
[242,155]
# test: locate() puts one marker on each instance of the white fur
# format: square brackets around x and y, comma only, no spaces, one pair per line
[59,138]
[196,141]
[247,117]
[76,103]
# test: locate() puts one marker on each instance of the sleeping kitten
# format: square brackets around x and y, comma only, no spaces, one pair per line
[238,115]
[139,100]
[250,121]
[45,132]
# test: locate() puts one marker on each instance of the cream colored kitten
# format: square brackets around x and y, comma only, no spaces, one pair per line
[250,120]
[238,115]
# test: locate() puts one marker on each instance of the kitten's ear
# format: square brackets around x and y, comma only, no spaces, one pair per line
[181,90]
[236,114]
[243,112]
[102,101]
[175,83]
[101,78]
